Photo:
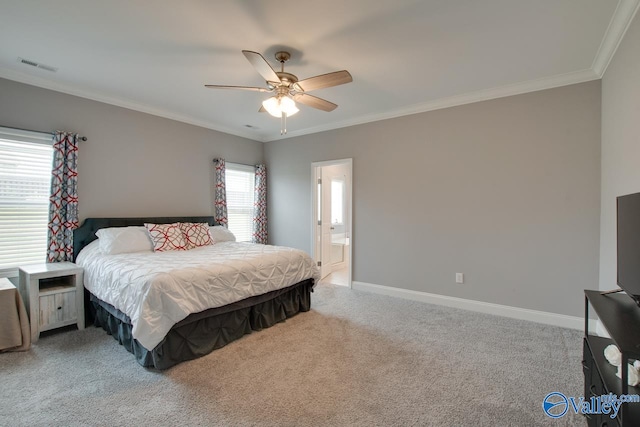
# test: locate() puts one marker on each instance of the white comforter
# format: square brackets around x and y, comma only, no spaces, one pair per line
[159,289]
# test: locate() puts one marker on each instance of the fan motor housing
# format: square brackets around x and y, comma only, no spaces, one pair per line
[287,78]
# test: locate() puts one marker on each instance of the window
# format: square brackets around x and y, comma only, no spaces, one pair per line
[337,201]
[25,181]
[240,183]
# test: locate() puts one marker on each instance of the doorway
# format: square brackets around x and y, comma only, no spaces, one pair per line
[332,220]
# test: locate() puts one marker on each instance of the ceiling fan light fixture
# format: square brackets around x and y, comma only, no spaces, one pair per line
[276,105]
[288,105]
[286,87]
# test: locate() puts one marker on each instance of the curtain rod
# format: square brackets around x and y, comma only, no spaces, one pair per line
[82,138]
[237,163]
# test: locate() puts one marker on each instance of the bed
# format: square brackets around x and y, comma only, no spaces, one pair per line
[163,337]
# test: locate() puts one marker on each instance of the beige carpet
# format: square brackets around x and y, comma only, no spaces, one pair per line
[355,359]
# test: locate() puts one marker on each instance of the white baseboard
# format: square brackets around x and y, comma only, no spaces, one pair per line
[547,318]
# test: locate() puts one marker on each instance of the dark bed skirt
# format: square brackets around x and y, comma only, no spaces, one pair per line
[201,333]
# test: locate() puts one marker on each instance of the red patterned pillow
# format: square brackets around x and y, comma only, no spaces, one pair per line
[196,235]
[166,237]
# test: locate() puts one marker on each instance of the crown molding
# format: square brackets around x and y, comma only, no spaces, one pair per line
[468,98]
[620,21]
[453,101]
[119,102]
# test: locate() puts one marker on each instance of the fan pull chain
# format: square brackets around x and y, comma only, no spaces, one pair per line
[283,123]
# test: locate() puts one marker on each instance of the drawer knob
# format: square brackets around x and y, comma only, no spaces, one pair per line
[59,308]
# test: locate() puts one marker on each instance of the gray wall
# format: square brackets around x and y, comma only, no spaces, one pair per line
[506,191]
[620,143]
[134,164]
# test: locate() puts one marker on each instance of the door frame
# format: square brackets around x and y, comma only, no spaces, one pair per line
[349,205]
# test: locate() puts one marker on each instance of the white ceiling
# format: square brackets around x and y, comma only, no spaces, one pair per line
[406,56]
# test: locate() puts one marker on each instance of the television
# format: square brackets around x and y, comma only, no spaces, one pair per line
[628,236]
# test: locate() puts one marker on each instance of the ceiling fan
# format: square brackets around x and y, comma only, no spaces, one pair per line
[287,89]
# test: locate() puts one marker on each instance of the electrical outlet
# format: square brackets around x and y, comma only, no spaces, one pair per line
[459,277]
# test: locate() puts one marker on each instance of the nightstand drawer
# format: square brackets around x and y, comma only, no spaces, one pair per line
[58,310]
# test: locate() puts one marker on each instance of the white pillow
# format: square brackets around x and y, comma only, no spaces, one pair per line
[221,234]
[120,240]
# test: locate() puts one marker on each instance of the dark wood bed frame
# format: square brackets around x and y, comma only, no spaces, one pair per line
[199,333]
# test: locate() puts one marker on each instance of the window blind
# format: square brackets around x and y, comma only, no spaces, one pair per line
[25,181]
[240,183]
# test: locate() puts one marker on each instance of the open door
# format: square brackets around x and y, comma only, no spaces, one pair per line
[323,224]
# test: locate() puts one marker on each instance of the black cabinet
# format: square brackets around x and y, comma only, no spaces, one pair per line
[620,316]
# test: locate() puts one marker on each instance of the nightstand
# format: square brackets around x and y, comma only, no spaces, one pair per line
[53,294]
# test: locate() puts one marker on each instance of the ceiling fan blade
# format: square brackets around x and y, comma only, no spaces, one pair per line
[315,102]
[255,89]
[325,80]
[261,65]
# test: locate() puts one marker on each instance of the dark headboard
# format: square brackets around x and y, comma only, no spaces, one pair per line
[86,233]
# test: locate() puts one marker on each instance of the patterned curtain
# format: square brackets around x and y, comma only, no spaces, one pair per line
[220,201]
[63,201]
[260,206]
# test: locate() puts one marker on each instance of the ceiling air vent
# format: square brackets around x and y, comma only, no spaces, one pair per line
[37,65]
